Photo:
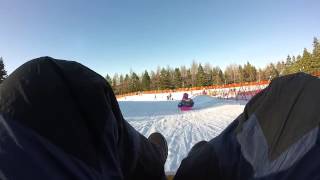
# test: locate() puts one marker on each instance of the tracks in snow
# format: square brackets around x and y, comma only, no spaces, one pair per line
[184,129]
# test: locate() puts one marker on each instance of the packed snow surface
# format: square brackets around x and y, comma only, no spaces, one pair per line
[154,113]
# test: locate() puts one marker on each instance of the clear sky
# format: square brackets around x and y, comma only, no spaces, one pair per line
[118,35]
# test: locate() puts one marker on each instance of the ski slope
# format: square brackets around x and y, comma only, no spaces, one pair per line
[182,130]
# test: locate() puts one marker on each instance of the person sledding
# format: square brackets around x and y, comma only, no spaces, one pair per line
[186,103]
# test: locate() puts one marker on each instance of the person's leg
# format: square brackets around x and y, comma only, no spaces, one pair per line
[75,109]
[197,147]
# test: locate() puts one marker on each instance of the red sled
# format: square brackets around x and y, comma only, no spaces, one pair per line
[185,108]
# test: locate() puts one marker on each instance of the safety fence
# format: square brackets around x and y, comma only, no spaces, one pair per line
[222,91]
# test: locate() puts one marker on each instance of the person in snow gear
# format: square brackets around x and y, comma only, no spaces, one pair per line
[186,103]
[60,120]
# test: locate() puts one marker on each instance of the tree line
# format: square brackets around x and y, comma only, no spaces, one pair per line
[199,74]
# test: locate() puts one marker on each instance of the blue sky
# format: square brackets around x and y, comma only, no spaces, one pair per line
[116,36]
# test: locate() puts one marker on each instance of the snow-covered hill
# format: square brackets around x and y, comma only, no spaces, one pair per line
[182,130]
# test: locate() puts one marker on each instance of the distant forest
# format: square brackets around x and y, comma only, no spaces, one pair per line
[206,74]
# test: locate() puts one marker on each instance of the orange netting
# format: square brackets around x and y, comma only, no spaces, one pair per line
[233,85]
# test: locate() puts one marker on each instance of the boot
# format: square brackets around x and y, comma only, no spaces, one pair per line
[160,142]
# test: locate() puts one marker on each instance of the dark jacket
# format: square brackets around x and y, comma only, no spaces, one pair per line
[60,120]
[186,103]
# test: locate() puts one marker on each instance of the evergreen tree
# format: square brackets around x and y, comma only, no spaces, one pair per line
[115,83]
[288,65]
[165,81]
[221,78]
[108,78]
[305,65]
[315,64]
[146,81]
[281,67]
[153,85]
[289,61]
[316,47]
[296,66]
[271,72]
[293,59]
[121,85]
[126,83]
[134,84]
[208,74]
[177,81]
[155,79]
[201,76]
[194,71]
[183,71]
[3,72]
[188,81]
[249,73]
[217,76]
[115,80]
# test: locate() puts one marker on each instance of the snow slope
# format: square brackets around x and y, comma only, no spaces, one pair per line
[159,97]
[181,129]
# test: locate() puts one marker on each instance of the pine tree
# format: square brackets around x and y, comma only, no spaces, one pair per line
[126,83]
[115,80]
[271,72]
[183,71]
[134,84]
[188,81]
[249,73]
[165,80]
[305,65]
[288,69]
[217,76]
[221,78]
[209,74]
[315,60]
[155,79]
[3,72]
[153,84]
[194,71]
[146,81]
[289,61]
[177,81]
[281,68]
[296,65]
[121,84]
[201,76]
[108,78]
[115,83]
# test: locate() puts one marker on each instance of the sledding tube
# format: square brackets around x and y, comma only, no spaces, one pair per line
[186,103]
[185,108]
